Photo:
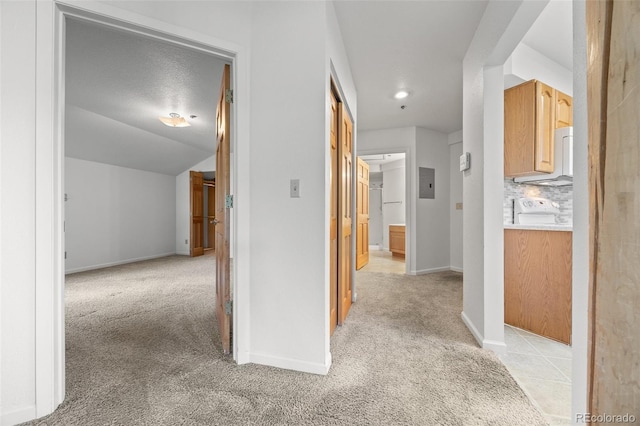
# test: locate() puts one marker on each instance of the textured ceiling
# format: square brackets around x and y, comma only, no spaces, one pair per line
[117,84]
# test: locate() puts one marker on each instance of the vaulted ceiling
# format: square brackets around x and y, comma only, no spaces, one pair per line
[119,83]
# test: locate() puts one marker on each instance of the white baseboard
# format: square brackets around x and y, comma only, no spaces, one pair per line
[291,364]
[430,271]
[183,253]
[18,416]
[456,269]
[472,328]
[495,346]
[119,262]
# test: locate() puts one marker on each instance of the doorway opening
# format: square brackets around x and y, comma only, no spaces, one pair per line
[387,212]
[132,170]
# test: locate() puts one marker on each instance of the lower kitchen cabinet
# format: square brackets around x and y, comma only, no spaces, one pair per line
[537,282]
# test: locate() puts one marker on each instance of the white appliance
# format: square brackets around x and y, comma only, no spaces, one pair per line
[534,211]
[563,161]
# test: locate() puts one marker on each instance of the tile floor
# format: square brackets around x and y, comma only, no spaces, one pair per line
[383,261]
[542,368]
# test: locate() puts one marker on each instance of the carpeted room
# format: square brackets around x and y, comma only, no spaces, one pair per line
[142,348]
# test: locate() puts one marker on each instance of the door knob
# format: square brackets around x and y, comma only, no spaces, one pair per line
[214,221]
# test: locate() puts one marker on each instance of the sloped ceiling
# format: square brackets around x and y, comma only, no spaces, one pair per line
[118,84]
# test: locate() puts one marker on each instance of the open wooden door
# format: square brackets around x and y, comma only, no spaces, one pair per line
[197,211]
[345,245]
[221,221]
[211,210]
[333,225]
[362,215]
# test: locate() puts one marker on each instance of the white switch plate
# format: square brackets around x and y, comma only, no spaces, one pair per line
[465,161]
[295,188]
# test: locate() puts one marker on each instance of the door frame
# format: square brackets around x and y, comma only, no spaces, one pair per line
[408,208]
[50,269]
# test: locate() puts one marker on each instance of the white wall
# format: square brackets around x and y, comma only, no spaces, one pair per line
[580,287]
[526,64]
[502,27]
[455,218]
[116,215]
[393,197]
[375,209]
[289,49]
[18,212]
[427,221]
[432,215]
[183,211]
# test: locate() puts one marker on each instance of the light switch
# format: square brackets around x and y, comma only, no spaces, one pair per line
[465,161]
[295,188]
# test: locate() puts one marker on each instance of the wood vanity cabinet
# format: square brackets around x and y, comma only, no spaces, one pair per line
[537,282]
[397,240]
[532,113]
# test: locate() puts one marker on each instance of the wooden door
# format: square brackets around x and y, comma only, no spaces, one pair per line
[222,230]
[564,110]
[613,99]
[333,224]
[345,192]
[211,215]
[197,218]
[545,127]
[362,211]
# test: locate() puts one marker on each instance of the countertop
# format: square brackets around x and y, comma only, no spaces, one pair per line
[543,227]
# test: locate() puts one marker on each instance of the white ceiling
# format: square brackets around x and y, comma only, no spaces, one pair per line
[379,159]
[117,84]
[552,33]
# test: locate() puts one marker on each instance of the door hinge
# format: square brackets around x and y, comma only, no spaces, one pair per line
[65,254]
[228,307]
[228,96]
[228,201]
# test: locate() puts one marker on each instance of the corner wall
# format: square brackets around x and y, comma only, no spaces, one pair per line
[455,197]
[432,215]
[116,215]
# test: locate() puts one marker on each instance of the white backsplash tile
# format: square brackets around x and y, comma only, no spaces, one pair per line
[563,195]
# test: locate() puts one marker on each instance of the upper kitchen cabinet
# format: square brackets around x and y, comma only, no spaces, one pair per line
[532,112]
[564,110]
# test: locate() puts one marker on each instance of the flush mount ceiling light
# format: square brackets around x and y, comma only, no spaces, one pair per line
[174,120]
[401,94]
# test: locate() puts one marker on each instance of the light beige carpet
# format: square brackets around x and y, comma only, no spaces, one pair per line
[142,349]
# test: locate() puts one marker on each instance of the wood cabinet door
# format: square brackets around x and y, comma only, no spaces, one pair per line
[545,127]
[537,282]
[564,110]
[519,129]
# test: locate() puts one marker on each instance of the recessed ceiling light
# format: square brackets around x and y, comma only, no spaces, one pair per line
[401,94]
[174,120]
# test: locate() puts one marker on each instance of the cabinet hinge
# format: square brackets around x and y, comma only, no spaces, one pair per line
[228,307]
[228,202]
[228,96]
